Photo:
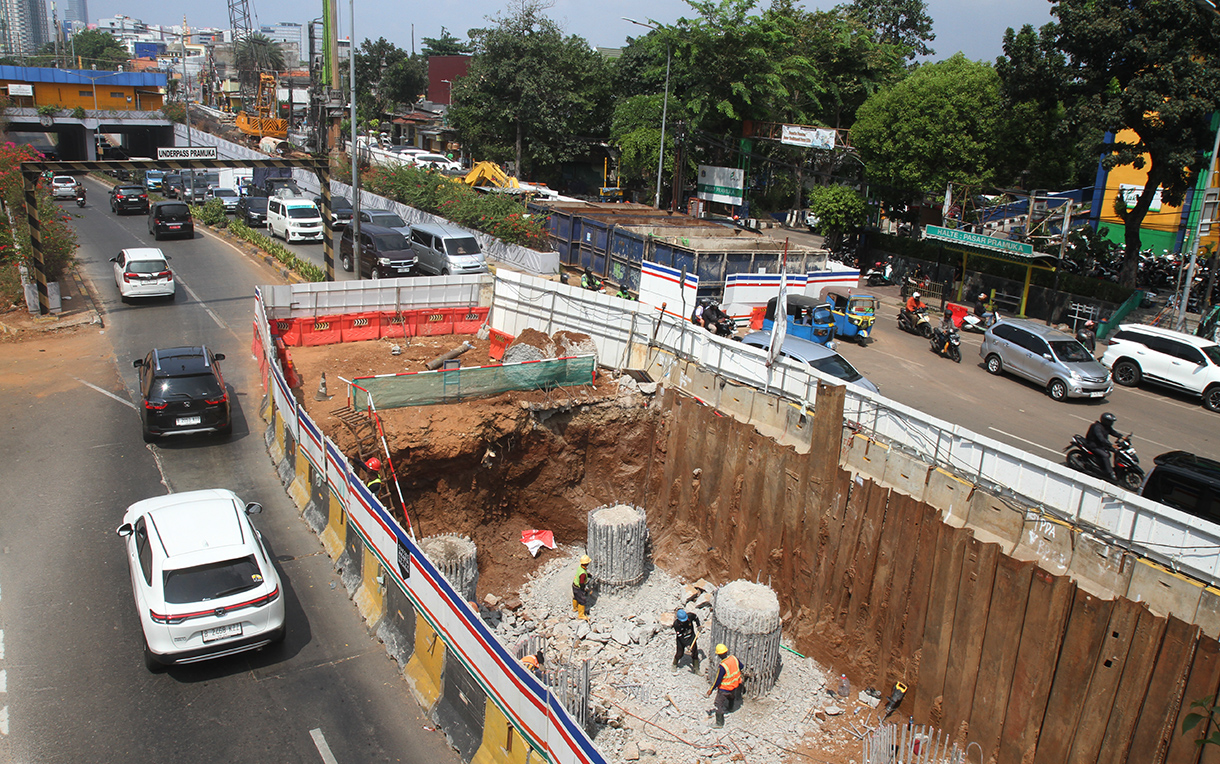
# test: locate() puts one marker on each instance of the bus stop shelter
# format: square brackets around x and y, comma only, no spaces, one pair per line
[992,248]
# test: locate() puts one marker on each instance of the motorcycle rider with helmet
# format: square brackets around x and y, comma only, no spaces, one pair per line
[1098,439]
[696,316]
[980,310]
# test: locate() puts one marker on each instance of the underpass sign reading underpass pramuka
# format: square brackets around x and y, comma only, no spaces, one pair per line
[191,152]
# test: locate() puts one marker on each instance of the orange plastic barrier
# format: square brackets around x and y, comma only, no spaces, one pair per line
[323,330]
[290,371]
[959,312]
[289,329]
[468,320]
[358,327]
[499,343]
[432,322]
[757,315]
[397,324]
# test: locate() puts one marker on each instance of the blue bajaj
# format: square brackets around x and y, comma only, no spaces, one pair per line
[853,314]
[807,318]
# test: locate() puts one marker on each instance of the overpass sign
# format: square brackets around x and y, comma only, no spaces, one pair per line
[180,153]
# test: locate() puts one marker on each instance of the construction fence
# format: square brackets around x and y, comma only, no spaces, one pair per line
[421,388]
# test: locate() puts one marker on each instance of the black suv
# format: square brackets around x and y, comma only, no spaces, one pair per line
[252,210]
[1181,480]
[171,185]
[340,210]
[171,219]
[384,252]
[128,199]
[183,392]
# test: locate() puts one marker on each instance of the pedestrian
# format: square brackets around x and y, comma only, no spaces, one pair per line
[534,664]
[373,465]
[580,587]
[727,685]
[686,629]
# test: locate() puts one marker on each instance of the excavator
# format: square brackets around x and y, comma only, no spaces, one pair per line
[489,174]
[263,123]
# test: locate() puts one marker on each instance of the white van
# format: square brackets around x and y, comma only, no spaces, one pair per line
[294,219]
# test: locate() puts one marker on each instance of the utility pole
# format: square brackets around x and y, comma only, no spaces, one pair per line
[357,253]
[1194,247]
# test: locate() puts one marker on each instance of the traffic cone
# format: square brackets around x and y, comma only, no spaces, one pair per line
[321,394]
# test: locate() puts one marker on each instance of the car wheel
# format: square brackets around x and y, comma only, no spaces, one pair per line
[444,271]
[1057,389]
[1127,373]
[1131,481]
[152,664]
[346,262]
[994,364]
[156,235]
[376,274]
[1211,398]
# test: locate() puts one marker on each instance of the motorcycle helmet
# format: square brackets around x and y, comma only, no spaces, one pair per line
[1089,324]
[982,297]
[1108,418]
[915,295]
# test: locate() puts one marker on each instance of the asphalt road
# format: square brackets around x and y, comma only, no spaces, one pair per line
[73,686]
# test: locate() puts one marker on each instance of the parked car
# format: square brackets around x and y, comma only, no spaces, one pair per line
[1179,361]
[252,210]
[435,162]
[202,578]
[171,219]
[384,252]
[1046,357]
[183,393]
[128,199]
[227,196]
[63,187]
[816,355]
[1184,481]
[385,219]
[444,250]
[294,219]
[143,272]
[340,210]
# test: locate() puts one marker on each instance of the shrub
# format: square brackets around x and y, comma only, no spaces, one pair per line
[281,253]
[211,213]
[79,112]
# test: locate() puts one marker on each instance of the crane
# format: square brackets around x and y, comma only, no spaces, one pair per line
[263,123]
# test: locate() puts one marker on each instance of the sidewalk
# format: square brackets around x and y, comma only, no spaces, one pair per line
[78,310]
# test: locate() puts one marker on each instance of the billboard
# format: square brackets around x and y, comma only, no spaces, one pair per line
[721,184]
[810,137]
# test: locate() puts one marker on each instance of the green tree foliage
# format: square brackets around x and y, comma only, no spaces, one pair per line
[386,77]
[532,95]
[445,45]
[937,125]
[853,66]
[839,209]
[259,53]
[897,22]
[1153,67]
[95,47]
[636,131]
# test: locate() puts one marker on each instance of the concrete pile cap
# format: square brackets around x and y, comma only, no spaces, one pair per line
[447,547]
[747,608]
[617,514]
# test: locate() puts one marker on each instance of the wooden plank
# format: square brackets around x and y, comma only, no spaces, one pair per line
[864,566]
[1098,700]
[1009,598]
[1132,687]
[1150,740]
[1204,676]
[1046,613]
[969,628]
[908,657]
[870,657]
[900,554]
[857,507]
[1082,643]
[938,633]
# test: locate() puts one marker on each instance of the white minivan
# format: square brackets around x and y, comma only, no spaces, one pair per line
[294,219]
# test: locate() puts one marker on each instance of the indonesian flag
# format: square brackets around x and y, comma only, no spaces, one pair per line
[779,326]
[535,540]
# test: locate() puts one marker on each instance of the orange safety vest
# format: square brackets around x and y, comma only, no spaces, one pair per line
[732,674]
[530,662]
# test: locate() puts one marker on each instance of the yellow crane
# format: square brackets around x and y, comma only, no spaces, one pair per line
[263,123]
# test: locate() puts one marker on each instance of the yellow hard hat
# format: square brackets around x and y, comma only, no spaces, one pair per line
[585,559]
[721,650]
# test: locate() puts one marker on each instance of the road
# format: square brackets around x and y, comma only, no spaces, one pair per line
[73,686]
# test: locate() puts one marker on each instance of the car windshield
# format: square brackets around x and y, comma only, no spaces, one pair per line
[256,203]
[463,246]
[387,219]
[174,210]
[194,386]
[224,192]
[212,581]
[154,174]
[1213,354]
[1070,351]
[302,212]
[129,190]
[64,180]
[146,266]
[836,366]
[390,241]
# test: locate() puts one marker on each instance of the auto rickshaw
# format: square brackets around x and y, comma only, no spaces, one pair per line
[808,318]
[853,314]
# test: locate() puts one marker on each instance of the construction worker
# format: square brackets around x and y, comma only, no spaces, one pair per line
[373,465]
[534,664]
[727,685]
[580,587]
[686,628]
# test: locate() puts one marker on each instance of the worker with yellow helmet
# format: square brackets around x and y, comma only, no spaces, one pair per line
[580,587]
[728,684]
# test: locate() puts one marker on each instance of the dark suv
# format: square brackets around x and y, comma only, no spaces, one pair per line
[128,199]
[171,219]
[183,392]
[384,252]
[1181,480]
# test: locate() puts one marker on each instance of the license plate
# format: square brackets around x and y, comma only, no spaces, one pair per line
[1097,395]
[222,632]
[172,227]
[186,421]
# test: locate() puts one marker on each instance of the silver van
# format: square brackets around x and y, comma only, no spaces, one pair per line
[1046,357]
[443,250]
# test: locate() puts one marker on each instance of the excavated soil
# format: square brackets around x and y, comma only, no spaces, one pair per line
[491,468]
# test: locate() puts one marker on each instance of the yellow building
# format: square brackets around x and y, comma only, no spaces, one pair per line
[88,89]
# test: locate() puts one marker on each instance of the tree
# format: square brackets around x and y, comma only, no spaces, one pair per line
[1153,68]
[636,131]
[445,45]
[386,76]
[531,93]
[897,22]
[838,209]
[852,64]
[258,53]
[100,48]
[934,127]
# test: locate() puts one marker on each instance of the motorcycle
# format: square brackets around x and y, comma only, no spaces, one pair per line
[880,276]
[1127,471]
[723,327]
[973,323]
[947,344]
[80,199]
[915,323]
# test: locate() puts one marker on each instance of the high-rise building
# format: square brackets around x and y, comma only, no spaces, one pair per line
[74,11]
[24,26]
[286,31]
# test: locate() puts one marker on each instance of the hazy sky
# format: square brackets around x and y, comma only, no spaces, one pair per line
[974,27]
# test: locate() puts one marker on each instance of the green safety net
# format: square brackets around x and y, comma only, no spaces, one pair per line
[429,387]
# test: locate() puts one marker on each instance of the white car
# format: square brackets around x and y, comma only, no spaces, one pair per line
[435,161]
[203,582]
[1172,359]
[63,187]
[143,272]
[227,196]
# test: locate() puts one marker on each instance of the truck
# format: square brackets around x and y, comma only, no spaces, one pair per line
[274,181]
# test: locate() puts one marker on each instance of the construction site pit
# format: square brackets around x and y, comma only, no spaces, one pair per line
[488,469]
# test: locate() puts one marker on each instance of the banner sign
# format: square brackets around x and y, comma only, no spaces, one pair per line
[1129,193]
[721,184]
[20,90]
[810,137]
[978,240]
[195,152]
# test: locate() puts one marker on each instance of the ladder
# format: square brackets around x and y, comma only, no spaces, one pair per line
[364,432]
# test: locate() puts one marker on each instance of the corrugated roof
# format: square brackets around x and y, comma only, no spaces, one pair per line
[81,76]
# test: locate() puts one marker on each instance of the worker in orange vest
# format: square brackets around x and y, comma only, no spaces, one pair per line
[534,664]
[727,685]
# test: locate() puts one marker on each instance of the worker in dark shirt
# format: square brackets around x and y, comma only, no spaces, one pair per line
[686,628]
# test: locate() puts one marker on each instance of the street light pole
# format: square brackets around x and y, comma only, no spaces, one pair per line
[357,253]
[664,110]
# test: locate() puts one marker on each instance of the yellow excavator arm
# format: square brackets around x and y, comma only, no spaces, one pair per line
[489,174]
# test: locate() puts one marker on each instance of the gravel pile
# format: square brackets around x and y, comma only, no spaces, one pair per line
[631,643]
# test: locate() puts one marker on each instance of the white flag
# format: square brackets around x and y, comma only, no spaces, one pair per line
[779,325]
[944,211]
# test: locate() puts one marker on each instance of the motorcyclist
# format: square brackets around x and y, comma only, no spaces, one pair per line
[80,190]
[712,316]
[1098,440]
[947,327]
[980,310]
[914,303]
[1087,336]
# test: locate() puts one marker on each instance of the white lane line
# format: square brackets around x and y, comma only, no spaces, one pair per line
[3,720]
[319,740]
[195,297]
[107,393]
[1023,440]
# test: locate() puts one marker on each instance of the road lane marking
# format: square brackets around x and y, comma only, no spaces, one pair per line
[195,297]
[319,740]
[1023,440]
[108,394]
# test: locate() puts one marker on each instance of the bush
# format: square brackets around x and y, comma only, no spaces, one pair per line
[79,113]
[211,213]
[309,271]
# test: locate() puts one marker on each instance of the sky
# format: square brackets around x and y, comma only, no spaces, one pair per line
[974,27]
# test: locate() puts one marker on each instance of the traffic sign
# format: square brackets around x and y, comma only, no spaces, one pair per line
[193,152]
[978,240]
